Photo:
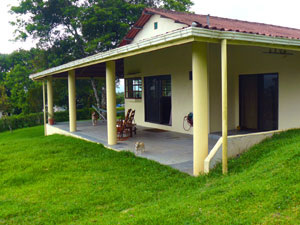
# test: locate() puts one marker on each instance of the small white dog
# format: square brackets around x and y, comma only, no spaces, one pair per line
[139,148]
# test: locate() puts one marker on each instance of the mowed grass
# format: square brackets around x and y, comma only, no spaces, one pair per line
[62,180]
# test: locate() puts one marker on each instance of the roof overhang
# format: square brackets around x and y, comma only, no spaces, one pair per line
[177,37]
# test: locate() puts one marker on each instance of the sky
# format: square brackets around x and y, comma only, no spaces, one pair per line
[283,13]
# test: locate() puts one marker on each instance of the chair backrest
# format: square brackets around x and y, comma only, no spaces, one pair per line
[128,114]
[131,118]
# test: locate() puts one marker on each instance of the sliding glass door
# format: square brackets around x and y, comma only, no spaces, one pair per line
[158,99]
[259,102]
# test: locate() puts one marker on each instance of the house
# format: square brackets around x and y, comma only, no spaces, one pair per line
[233,75]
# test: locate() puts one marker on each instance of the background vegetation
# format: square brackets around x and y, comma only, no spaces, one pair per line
[65,30]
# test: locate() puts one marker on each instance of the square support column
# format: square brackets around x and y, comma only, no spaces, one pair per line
[44,108]
[200,106]
[111,102]
[224,105]
[72,100]
[50,99]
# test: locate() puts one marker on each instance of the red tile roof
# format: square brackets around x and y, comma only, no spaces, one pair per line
[215,23]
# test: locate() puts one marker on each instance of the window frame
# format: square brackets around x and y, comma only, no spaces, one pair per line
[133,94]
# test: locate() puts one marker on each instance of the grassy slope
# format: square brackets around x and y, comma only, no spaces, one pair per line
[56,179]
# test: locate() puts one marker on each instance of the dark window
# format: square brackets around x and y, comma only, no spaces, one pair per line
[166,88]
[133,88]
[155,26]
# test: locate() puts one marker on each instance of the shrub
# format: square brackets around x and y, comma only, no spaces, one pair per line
[21,121]
[35,119]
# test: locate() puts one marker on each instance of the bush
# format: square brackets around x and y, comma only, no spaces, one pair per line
[35,119]
[82,114]
[21,121]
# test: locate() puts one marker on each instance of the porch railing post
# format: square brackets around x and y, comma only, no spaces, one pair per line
[72,100]
[200,106]
[111,102]
[224,105]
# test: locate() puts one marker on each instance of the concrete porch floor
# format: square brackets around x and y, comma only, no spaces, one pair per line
[166,147]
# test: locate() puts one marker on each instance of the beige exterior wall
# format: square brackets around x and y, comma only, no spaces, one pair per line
[241,60]
[164,25]
[175,61]
[254,60]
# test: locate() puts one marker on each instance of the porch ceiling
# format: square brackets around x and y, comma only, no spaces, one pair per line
[93,71]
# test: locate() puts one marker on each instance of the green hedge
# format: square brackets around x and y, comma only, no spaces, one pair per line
[21,121]
[35,119]
[82,114]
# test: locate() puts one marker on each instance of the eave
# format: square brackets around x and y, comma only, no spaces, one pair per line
[177,37]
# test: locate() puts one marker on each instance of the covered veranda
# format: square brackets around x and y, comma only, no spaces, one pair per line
[109,66]
[166,147]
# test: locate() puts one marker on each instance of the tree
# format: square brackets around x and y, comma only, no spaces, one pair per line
[18,84]
[70,29]
[4,100]
[15,69]
[5,106]
[120,98]
[88,25]
[34,99]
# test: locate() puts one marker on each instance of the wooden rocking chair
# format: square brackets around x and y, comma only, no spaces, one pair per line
[122,131]
[130,124]
[126,127]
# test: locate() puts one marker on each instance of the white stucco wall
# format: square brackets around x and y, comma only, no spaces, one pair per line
[164,25]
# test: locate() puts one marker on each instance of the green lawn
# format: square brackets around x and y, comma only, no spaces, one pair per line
[61,180]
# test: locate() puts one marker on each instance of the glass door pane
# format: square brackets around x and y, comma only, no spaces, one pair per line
[268,102]
[248,102]
[158,99]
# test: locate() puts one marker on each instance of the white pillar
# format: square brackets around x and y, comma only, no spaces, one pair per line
[224,105]
[72,100]
[44,108]
[111,102]
[200,106]
[50,98]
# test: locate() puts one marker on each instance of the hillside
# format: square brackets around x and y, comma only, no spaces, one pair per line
[61,180]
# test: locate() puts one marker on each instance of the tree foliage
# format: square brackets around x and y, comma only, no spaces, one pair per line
[88,25]
[65,30]
[4,100]
[15,69]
